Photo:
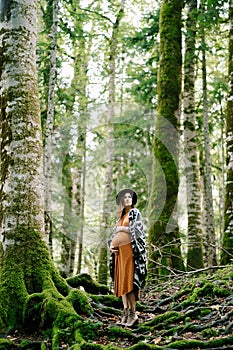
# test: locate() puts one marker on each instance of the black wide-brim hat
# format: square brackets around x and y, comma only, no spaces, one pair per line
[123,192]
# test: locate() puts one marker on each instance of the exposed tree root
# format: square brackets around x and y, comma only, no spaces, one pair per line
[193,314]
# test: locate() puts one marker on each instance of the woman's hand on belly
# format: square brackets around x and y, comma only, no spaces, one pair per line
[114,250]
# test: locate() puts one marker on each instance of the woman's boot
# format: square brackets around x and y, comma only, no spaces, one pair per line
[132,318]
[124,317]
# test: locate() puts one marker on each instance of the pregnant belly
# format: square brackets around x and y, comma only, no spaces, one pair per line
[121,238]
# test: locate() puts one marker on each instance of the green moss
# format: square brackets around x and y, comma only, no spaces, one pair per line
[88,284]
[89,329]
[75,347]
[143,346]
[209,332]
[12,296]
[29,345]
[88,346]
[205,312]
[221,292]
[80,302]
[118,332]
[186,344]
[108,300]
[31,313]
[194,344]
[164,319]
[6,344]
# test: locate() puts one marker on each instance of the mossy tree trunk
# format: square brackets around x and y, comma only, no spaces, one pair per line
[164,236]
[32,293]
[64,267]
[107,209]
[227,246]
[194,254]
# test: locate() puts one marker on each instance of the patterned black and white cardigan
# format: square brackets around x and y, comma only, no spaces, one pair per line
[138,246]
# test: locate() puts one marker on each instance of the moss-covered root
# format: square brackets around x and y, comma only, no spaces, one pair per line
[139,346]
[51,310]
[198,344]
[84,280]
[80,302]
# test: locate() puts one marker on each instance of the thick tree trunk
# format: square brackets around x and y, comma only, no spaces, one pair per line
[32,293]
[22,215]
[163,233]
[227,247]
[194,254]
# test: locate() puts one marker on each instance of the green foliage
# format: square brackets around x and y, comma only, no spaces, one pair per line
[144,76]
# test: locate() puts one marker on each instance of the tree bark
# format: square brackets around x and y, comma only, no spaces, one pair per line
[164,237]
[49,129]
[209,237]
[227,245]
[27,274]
[107,208]
[22,215]
[194,254]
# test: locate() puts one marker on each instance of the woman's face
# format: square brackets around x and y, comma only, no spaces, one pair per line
[128,200]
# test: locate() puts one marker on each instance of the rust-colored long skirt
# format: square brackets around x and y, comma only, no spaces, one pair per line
[124,270]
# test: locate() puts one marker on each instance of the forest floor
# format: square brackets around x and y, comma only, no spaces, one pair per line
[187,311]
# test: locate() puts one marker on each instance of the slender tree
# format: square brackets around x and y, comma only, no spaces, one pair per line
[227,246]
[64,267]
[163,233]
[49,128]
[209,237]
[194,254]
[105,221]
[76,104]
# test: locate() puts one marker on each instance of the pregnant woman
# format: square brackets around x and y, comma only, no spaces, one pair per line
[128,255]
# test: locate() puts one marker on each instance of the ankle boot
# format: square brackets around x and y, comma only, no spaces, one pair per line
[132,318]
[124,317]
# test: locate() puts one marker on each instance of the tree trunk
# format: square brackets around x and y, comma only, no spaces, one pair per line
[64,267]
[107,208]
[209,237]
[163,233]
[32,293]
[22,215]
[227,246]
[49,129]
[194,254]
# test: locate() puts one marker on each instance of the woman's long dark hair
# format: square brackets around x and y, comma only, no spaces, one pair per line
[122,210]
